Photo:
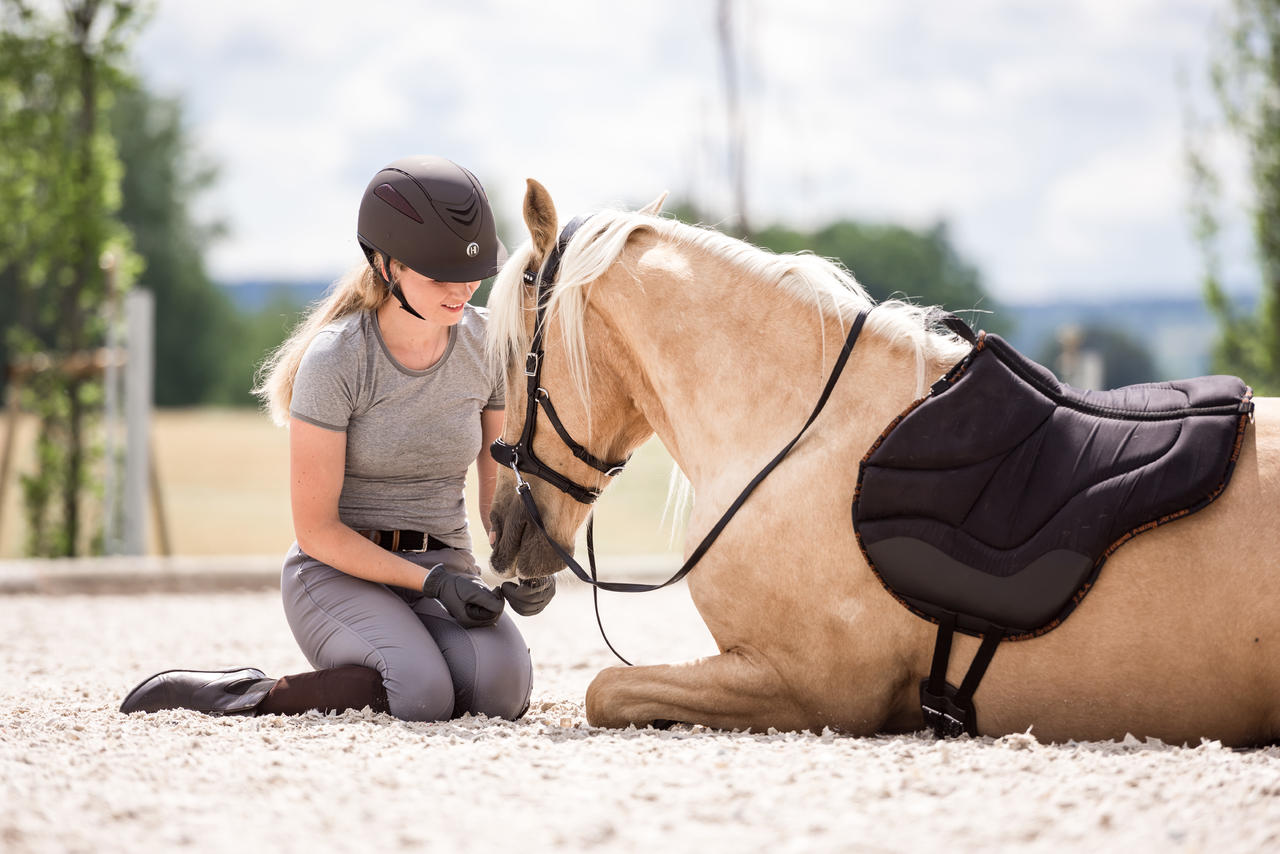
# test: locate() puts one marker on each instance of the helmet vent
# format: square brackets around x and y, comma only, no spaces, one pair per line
[391,196]
[465,215]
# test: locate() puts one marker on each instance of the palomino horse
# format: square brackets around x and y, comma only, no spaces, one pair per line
[721,349]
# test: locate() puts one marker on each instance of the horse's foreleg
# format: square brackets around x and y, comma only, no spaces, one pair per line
[734,690]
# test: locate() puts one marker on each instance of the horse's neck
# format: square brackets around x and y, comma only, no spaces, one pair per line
[728,376]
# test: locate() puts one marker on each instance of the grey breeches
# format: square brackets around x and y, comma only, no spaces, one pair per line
[432,668]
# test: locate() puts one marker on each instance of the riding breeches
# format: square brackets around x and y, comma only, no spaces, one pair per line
[432,668]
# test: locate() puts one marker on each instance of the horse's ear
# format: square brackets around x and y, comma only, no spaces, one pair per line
[654,207]
[540,216]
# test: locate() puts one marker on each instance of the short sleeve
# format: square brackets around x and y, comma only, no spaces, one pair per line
[498,379]
[324,389]
[498,396]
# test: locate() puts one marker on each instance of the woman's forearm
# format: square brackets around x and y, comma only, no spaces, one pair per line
[342,548]
[491,421]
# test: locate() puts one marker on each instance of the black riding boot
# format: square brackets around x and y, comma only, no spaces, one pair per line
[214,692]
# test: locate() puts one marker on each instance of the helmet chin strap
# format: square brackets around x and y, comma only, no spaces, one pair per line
[383,269]
[404,303]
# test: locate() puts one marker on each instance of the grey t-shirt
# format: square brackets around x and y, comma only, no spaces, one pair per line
[410,434]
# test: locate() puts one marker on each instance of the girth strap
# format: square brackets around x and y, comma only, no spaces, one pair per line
[949,711]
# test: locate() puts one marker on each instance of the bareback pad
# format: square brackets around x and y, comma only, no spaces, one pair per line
[998,497]
[990,505]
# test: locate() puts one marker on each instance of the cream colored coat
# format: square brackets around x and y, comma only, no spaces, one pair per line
[685,338]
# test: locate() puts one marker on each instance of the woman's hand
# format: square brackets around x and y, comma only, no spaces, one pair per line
[465,597]
[529,596]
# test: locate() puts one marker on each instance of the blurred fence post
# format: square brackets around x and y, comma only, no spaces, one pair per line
[11,431]
[139,379]
[112,537]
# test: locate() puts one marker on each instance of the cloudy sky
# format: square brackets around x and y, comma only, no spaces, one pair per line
[1048,134]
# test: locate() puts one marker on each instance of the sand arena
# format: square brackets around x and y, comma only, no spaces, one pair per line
[75,775]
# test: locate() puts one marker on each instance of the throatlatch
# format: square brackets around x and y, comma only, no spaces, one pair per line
[990,506]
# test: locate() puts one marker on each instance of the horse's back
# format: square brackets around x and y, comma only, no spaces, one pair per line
[1180,636]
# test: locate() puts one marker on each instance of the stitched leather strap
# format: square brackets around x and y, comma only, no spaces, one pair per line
[404,541]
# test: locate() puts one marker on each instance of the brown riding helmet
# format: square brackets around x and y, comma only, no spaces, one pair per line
[431,215]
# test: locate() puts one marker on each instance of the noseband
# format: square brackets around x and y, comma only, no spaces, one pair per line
[522,460]
[520,456]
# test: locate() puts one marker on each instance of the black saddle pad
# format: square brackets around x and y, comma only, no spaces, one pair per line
[999,495]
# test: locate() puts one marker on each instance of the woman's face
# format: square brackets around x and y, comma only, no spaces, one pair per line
[438,302]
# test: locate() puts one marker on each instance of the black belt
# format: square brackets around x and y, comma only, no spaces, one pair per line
[405,541]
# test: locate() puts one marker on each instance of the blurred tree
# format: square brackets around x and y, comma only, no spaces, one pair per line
[59,191]
[1125,360]
[888,260]
[260,332]
[1246,79]
[197,327]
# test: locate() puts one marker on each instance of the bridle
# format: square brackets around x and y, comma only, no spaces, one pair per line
[520,456]
[522,460]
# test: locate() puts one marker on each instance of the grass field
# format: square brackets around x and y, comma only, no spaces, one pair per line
[224,476]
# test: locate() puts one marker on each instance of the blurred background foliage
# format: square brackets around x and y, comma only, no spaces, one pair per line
[94,162]
[59,217]
[1245,72]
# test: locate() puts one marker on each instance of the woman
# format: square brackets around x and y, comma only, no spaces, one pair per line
[387,396]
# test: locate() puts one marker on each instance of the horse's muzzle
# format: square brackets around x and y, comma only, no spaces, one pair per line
[519,548]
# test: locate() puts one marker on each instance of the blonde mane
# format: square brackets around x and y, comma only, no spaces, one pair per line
[805,278]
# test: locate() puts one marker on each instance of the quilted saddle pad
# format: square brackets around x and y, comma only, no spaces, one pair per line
[998,497]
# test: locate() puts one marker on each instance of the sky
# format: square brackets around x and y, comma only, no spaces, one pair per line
[1048,135]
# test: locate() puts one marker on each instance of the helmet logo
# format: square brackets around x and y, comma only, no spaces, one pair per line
[473,249]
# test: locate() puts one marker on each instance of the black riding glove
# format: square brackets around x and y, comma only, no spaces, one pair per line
[529,596]
[465,597]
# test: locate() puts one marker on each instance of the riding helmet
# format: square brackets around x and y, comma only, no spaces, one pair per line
[431,215]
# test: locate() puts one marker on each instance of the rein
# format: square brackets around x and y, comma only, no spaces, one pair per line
[522,460]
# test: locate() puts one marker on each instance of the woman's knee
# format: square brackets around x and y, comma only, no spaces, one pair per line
[419,693]
[502,677]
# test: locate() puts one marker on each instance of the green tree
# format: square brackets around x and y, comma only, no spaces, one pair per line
[59,190]
[197,327]
[1245,73]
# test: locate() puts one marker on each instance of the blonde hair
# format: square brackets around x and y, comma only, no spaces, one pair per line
[361,289]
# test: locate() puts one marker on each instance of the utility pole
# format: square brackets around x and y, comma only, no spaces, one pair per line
[736,126]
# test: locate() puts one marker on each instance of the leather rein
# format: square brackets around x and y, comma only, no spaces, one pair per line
[522,460]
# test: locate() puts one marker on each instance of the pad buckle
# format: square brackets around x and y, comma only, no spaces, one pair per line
[943,715]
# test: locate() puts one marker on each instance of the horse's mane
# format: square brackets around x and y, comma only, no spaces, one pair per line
[806,278]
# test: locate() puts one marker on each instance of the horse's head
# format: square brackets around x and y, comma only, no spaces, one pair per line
[562,442]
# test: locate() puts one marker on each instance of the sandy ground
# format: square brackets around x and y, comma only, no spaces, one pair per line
[75,775]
